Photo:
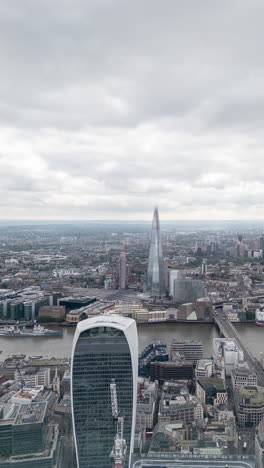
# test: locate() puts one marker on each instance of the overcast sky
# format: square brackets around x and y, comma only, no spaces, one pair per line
[109,107]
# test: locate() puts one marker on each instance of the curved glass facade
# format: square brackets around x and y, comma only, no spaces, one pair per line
[101,354]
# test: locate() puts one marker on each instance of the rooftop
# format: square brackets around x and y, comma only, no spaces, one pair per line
[27,393]
[65,402]
[66,375]
[207,383]
[203,363]
[77,299]
[242,368]
[186,342]
[92,308]
[253,396]
[31,413]
[105,320]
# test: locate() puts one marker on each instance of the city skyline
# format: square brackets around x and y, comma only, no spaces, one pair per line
[63,275]
[126,340]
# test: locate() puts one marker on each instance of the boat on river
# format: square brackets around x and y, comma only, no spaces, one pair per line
[260,323]
[18,356]
[37,330]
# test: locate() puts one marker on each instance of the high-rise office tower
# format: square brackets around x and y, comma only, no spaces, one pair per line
[204,267]
[122,271]
[188,290]
[156,273]
[261,245]
[104,389]
[174,274]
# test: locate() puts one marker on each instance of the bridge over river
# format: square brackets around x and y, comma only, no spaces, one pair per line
[228,330]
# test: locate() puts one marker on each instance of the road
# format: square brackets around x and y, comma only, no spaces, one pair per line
[193,464]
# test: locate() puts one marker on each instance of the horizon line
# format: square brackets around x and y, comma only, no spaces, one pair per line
[127,220]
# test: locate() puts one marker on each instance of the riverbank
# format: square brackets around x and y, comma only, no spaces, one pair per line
[67,324]
[61,346]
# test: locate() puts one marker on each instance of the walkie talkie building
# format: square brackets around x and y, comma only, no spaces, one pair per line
[105,349]
[156,270]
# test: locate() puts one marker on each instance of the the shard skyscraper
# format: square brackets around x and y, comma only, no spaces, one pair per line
[156,270]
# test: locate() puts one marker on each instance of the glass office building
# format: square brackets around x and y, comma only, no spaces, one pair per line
[104,348]
[156,270]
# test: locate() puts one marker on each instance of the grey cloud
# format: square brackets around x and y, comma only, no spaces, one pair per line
[72,58]
[109,106]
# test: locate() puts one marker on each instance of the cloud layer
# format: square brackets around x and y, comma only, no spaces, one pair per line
[109,107]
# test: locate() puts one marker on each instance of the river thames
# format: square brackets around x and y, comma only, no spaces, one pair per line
[61,346]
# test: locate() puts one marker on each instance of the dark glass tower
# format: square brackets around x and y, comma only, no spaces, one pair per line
[156,269]
[105,350]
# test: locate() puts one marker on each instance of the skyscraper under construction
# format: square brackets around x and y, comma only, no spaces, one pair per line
[156,270]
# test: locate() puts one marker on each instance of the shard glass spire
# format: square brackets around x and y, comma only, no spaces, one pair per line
[156,269]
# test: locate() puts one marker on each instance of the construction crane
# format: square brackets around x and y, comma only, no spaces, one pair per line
[119,448]
[22,381]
